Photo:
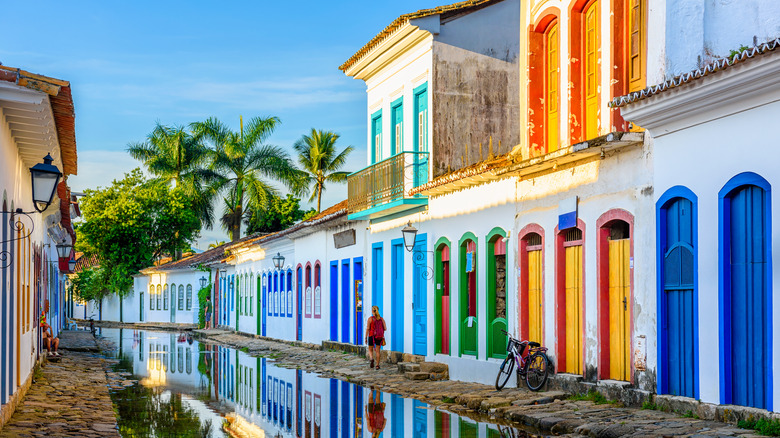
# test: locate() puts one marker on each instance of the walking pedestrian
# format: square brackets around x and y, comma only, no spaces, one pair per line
[375,333]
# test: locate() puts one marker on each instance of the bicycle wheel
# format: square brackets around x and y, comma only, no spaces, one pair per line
[536,371]
[505,371]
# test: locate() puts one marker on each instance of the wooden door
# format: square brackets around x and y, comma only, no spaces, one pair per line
[619,309]
[552,54]
[574,309]
[591,39]
[535,295]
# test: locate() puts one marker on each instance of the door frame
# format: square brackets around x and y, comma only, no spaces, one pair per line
[724,277]
[490,293]
[560,296]
[663,202]
[397,308]
[334,300]
[357,275]
[602,271]
[438,308]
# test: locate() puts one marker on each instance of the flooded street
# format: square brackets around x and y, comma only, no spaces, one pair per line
[188,388]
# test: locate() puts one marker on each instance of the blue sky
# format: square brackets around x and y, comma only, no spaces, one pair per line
[131,64]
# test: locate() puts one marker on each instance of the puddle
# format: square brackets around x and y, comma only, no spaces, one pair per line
[170,385]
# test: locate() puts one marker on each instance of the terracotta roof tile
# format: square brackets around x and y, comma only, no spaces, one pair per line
[403,19]
[721,64]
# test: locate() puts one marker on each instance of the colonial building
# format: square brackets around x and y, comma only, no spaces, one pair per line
[36,236]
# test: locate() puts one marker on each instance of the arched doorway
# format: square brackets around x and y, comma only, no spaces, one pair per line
[442,304]
[467,274]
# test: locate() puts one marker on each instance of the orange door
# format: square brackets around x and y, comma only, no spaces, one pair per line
[552,88]
[591,39]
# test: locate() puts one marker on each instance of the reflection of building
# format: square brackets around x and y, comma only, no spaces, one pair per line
[37,120]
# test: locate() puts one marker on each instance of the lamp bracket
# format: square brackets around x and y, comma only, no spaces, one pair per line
[419,257]
[17,226]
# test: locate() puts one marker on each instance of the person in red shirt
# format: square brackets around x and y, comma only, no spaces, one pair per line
[375,334]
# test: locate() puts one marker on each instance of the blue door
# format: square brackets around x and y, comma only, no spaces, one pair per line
[358,276]
[397,304]
[334,301]
[678,325]
[420,295]
[420,419]
[346,309]
[377,276]
[299,301]
[746,309]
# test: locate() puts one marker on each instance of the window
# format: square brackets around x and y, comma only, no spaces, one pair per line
[376,137]
[181,297]
[270,295]
[151,297]
[289,293]
[252,288]
[397,121]
[317,291]
[308,291]
[421,112]
[282,296]
[159,297]
[636,45]
[189,297]
[551,86]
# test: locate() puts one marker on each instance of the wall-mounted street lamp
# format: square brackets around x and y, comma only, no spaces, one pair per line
[45,177]
[72,265]
[63,250]
[410,235]
[278,261]
[203,282]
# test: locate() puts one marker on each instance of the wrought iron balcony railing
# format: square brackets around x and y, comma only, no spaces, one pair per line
[387,181]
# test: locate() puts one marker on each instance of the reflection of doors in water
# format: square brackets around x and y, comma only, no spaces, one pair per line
[420,295]
[573,254]
[747,319]
[345,416]
[420,419]
[677,328]
[441,424]
[619,302]
[397,415]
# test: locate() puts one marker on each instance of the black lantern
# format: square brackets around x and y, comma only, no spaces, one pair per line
[203,282]
[278,261]
[71,265]
[45,177]
[410,235]
[63,250]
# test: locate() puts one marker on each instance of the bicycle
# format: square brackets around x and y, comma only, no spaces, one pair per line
[531,363]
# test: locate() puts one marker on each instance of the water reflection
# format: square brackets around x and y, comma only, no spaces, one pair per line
[229,393]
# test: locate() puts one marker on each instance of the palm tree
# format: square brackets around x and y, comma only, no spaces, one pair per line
[317,156]
[173,155]
[242,164]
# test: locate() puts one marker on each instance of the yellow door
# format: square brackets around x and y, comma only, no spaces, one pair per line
[619,310]
[591,66]
[535,296]
[573,309]
[552,89]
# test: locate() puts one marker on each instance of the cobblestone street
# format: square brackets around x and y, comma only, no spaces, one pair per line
[549,412]
[69,397]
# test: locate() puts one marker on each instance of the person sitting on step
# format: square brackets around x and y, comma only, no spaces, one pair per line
[49,341]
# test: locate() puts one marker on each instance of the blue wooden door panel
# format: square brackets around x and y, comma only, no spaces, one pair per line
[397,415]
[397,307]
[334,301]
[420,299]
[678,276]
[748,298]
[346,308]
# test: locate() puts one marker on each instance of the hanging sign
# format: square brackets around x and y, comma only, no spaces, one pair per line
[567,213]
[470,261]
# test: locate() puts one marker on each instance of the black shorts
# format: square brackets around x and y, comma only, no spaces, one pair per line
[372,341]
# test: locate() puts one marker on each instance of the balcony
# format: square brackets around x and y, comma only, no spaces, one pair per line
[382,189]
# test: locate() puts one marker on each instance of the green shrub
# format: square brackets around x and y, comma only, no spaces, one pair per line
[762,426]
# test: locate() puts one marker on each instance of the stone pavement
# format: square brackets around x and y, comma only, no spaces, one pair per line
[69,397]
[549,412]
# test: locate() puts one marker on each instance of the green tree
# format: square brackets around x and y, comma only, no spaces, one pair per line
[128,226]
[242,164]
[320,162]
[173,155]
[278,215]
